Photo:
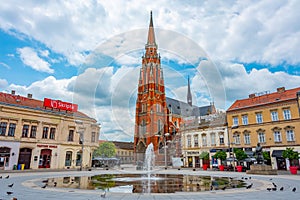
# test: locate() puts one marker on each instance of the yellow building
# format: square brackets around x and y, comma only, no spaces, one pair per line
[124,151]
[44,134]
[271,119]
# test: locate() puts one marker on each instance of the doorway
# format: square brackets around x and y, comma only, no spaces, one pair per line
[4,157]
[45,158]
[25,157]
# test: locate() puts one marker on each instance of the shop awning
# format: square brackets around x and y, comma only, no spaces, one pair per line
[277,153]
[204,154]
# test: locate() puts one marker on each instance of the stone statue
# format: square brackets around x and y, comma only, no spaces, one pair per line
[258,153]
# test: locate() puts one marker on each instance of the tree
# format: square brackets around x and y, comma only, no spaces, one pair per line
[240,154]
[290,154]
[105,149]
[220,155]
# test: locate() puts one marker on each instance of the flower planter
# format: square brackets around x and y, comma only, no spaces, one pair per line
[293,169]
[204,166]
[239,168]
[221,167]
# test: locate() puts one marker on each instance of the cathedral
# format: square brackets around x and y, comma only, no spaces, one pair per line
[157,117]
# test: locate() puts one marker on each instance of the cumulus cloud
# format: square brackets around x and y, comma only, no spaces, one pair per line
[31,59]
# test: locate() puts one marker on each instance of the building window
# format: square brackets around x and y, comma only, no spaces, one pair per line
[189,141]
[287,114]
[45,132]
[213,139]
[221,138]
[277,136]
[144,107]
[158,108]
[245,119]
[25,130]
[259,118]
[261,137]
[11,129]
[3,127]
[93,139]
[33,131]
[237,139]
[204,140]
[71,136]
[274,116]
[196,142]
[144,126]
[78,158]
[247,138]
[290,135]
[52,133]
[235,121]
[68,160]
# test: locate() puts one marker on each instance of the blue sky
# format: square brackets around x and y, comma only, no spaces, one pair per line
[89,52]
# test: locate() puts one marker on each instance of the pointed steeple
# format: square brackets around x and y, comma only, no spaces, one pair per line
[151,35]
[189,94]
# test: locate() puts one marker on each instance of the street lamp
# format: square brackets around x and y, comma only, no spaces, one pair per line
[165,141]
[81,140]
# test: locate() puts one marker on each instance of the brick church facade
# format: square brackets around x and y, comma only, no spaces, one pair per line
[158,117]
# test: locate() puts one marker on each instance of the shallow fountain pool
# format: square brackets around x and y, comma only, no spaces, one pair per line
[137,183]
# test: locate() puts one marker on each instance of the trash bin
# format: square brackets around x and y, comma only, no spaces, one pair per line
[15,167]
[22,166]
[19,166]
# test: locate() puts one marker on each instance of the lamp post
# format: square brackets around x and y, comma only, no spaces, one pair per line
[232,143]
[81,140]
[165,141]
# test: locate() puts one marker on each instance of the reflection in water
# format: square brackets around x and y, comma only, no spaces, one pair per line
[135,183]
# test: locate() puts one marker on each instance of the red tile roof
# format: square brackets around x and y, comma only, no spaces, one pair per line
[279,96]
[25,102]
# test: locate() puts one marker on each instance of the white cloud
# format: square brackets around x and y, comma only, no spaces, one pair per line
[30,58]
[261,31]
[3,83]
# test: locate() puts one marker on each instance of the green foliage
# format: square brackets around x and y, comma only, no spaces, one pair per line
[240,154]
[220,155]
[290,154]
[105,149]
[204,155]
[266,155]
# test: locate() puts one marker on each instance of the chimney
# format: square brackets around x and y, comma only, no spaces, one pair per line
[13,92]
[29,96]
[252,95]
[281,89]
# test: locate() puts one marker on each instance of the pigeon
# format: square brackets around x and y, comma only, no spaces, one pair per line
[7,177]
[281,189]
[249,177]
[11,185]
[102,195]
[9,193]
[294,189]
[133,190]
[224,188]
[44,186]
[274,188]
[0,177]
[249,186]
[246,178]
[55,183]
[269,189]
[274,184]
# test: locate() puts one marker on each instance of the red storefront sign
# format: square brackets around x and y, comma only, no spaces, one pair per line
[57,104]
[46,146]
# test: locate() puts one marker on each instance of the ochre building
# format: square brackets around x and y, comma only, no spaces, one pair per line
[270,119]
[44,134]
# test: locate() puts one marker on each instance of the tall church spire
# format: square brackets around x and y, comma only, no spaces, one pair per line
[151,35]
[189,94]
